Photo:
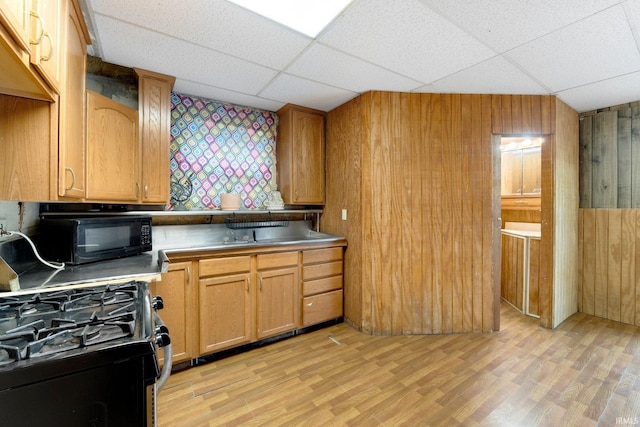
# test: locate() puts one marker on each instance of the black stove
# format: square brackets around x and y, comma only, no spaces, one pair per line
[43,325]
[94,344]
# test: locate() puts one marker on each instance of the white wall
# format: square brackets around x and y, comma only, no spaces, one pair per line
[10,214]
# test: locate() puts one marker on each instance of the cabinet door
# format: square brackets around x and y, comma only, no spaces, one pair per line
[72,139]
[177,290]
[112,150]
[15,17]
[155,121]
[278,301]
[533,303]
[225,312]
[308,158]
[45,40]
[17,76]
[512,270]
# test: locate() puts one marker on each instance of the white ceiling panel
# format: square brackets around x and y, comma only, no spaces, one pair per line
[295,90]
[406,37]
[347,72]
[225,96]
[606,93]
[504,25]
[586,51]
[599,47]
[206,23]
[495,75]
[123,43]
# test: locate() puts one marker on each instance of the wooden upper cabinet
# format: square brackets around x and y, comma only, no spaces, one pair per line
[300,151]
[72,144]
[15,18]
[18,76]
[46,43]
[112,150]
[154,104]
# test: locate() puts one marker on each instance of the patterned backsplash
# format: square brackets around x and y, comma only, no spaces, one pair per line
[217,148]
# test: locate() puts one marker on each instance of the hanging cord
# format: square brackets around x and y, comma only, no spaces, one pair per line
[54,265]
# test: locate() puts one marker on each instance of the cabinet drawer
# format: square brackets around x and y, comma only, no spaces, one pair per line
[322,255]
[311,272]
[322,285]
[521,203]
[283,259]
[224,265]
[321,307]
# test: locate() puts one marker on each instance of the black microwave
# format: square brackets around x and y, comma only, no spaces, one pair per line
[81,240]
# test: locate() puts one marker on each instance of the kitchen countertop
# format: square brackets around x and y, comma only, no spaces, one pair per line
[147,266]
[142,267]
[522,233]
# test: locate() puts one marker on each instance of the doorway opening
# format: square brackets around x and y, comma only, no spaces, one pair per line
[521,194]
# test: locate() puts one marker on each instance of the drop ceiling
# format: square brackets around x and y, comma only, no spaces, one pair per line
[587,52]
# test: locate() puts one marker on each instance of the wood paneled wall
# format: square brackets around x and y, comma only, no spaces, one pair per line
[561,214]
[610,264]
[417,174]
[609,157]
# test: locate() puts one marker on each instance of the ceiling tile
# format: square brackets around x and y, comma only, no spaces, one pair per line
[599,47]
[225,96]
[410,39]
[496,75]
[125,44]
[329,66]
[295,90]
[216,24]
[606,93]
[504,25]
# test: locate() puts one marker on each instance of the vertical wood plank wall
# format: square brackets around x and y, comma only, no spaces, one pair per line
[610,157]
[564,212]
[609,214]
[610,264]
[416,175]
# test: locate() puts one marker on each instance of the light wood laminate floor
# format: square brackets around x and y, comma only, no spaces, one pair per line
[584,373]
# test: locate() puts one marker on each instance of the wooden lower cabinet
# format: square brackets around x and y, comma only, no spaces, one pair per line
[278,296]
[513,269]
[520,275]
[226,303]
[217,303]
[178,292]
[322,285]
[225,312]
[534,277]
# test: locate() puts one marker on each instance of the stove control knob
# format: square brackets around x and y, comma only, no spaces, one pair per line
[161,329]
[157,303]
[163,340]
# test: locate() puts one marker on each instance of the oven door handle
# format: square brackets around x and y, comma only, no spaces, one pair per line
[166,368]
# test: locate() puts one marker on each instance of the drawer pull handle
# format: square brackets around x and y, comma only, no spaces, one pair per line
[51,47]
[73,178]
[39,37]
[248,284]
[309,304]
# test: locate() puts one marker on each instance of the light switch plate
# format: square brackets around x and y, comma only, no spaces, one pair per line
[344,214]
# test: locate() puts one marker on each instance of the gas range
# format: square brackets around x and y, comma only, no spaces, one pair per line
[83,355]
[65,322]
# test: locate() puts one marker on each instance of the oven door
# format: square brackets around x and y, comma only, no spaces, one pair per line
[102,388]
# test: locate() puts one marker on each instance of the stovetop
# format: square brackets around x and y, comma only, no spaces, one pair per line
[61,323]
